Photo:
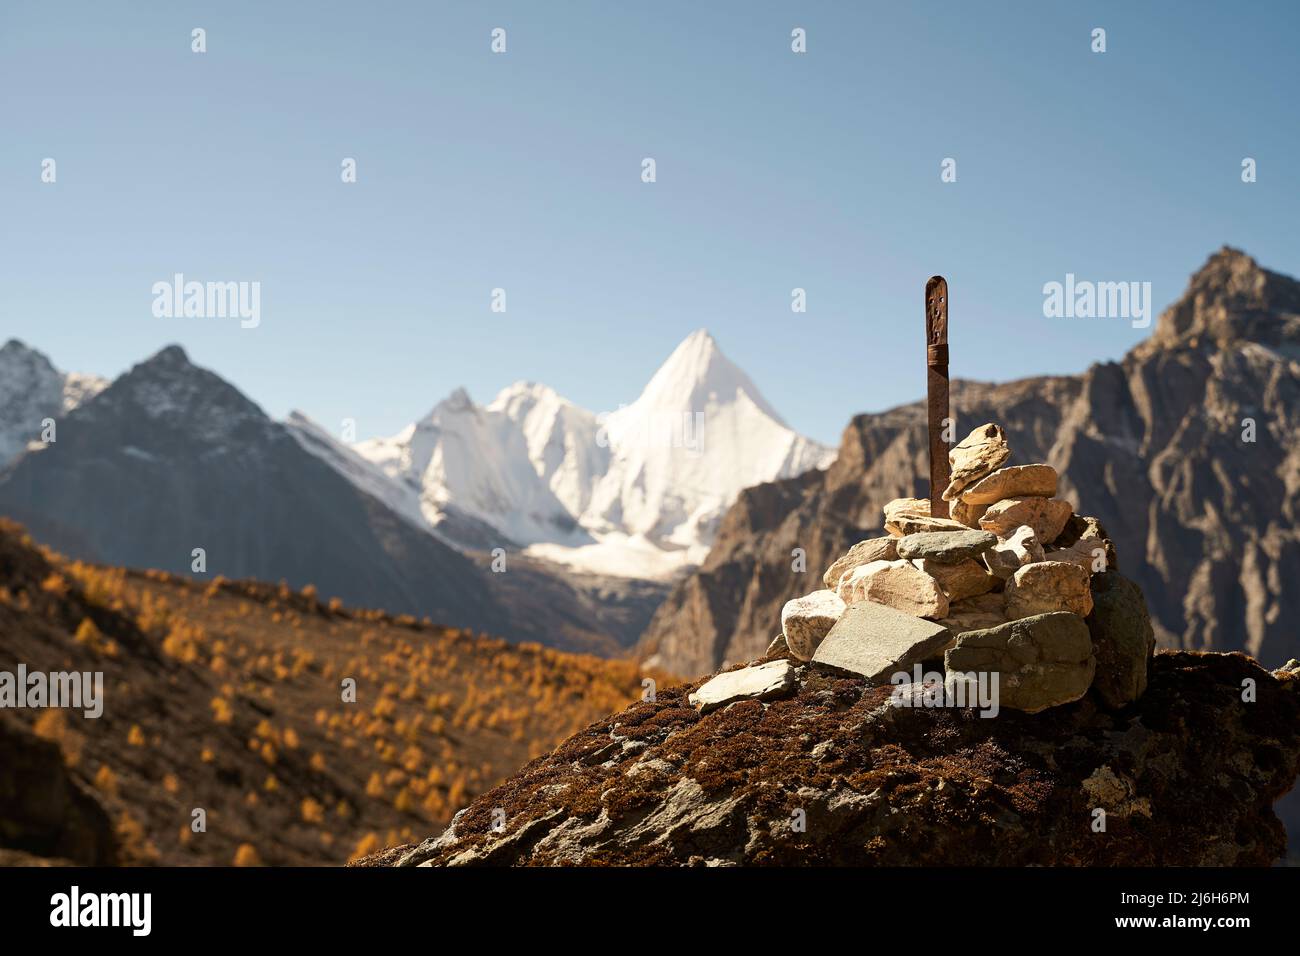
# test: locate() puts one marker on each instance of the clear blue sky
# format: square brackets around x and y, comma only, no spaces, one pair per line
[522,171]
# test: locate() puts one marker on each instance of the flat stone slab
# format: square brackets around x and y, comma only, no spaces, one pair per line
[946,547]
[875,641]
[758,682]
[905,516]
[1018,481]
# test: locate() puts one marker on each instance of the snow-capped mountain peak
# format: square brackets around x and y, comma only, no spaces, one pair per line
[33,390]
[697,375]
[638,491]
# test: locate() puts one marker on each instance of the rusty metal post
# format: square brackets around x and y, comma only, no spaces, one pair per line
[936,390]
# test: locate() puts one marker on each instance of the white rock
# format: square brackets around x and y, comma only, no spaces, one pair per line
[806,620]
[757,682]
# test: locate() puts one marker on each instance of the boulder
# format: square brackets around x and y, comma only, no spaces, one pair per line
[756,682]
[946,547]
[777,648]
[1012,553]
[806,620]
[876,641]
[1047,516]
[959,581]
[1042,661]
[1019,481]
[1122,639]
[864,552]
[1048,586]
[975,456]
[896,584]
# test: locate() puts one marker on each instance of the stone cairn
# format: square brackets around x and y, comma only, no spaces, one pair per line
[1014,583]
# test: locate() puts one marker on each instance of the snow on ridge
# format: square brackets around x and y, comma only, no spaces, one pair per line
[32,390]
[637,492]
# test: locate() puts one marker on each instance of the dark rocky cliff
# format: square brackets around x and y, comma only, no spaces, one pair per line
[1154,446]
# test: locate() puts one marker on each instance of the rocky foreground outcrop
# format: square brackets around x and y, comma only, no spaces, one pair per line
[837,772]
[44,812]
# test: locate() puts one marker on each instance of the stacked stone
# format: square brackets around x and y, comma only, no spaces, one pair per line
[1013,582]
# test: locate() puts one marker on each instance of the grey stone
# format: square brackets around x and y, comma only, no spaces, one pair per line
[1041,662]
[756,682]
[875,641]
[946,547]
[1122,637]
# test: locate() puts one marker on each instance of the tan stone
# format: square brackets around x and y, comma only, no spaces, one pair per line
[864,552]
[806,620]
[979,453]
[1046,586]
[904,516]
[1089,553]
[896,584]
[975,613]
[1019,481]
[853,583]
[906,526]
[969,515]
[959,581]
[1012,553]
[1047,516]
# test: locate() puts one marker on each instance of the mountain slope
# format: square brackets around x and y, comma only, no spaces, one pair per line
[636,493]
[1203,520]
[226,696]
[170,458]
[33,390]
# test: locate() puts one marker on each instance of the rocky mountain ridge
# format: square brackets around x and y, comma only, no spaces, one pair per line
[171,467]
[636,492]
[32,390]
[1184,450]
